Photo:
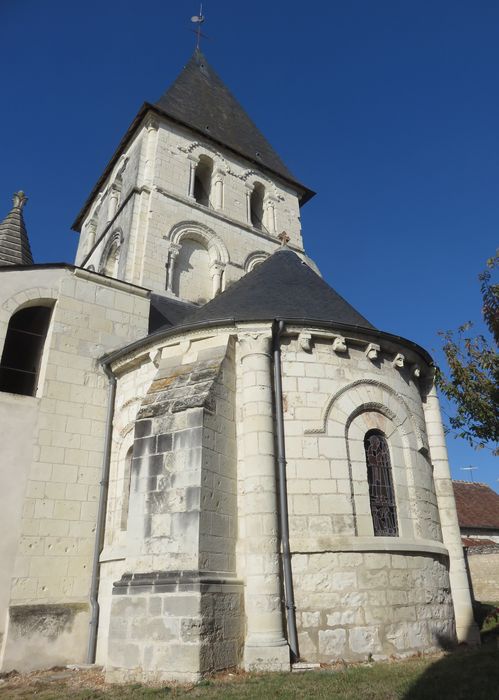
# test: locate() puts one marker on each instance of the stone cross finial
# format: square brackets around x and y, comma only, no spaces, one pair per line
[19,199]
[284,238]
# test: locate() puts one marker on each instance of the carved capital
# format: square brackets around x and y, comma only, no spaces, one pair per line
[254,343]
[152,123]
[174,250]
[217,267]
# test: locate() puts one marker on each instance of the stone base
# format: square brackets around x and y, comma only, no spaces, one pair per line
[267,658]
[174,626]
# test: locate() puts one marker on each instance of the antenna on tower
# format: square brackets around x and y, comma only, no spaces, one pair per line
[198,19]
[470,469]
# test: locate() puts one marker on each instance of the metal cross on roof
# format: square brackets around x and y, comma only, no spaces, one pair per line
[284,238]
[198,19]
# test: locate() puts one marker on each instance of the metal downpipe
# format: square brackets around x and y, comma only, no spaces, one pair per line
[283,494]
[101,517]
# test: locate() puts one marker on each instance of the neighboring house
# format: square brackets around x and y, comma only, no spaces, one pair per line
[478,513]
[151,396]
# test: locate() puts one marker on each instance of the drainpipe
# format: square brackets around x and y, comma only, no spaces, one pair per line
[101,516]
[283,494]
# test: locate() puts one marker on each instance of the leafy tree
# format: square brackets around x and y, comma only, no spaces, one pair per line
[472,384]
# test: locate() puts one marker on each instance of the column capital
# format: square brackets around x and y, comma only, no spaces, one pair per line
[255,342]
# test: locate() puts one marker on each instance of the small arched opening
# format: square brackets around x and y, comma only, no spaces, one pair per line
[256,206]
[23,350]
[202,180]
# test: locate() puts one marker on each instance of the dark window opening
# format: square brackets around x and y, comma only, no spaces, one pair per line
[202,181]
[381,493]
[23,350]
[256,206]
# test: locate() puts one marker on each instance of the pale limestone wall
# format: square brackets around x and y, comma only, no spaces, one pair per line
[181,529]
[53,560]
[331,399]
[484,572]
[147,203]
[17,417]
[360,605]
[357,594]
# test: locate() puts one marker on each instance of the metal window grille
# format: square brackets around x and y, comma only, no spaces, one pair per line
[379,476]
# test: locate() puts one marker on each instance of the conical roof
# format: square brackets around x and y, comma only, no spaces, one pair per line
[199,99]
[282,287]
[14,243]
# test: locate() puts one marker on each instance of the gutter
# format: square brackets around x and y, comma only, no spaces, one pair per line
[289,597]
[180,328]
[101,516]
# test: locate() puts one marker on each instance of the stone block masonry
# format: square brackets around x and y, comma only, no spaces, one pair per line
[178,611]
[356,606]
[56,515]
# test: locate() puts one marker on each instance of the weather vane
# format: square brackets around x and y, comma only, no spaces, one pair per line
[198,19]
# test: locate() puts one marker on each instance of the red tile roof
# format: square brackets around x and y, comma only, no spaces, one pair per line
[477,505]
[476,542]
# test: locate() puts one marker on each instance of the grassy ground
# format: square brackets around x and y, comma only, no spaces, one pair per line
[461,675]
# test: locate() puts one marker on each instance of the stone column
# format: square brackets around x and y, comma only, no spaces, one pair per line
[152,127]
[466,628]
[113,203]
[170,266]
[265,649]
[218,186]
[270,215]
[192,175]
[249,190]
[216,270]
[90,230]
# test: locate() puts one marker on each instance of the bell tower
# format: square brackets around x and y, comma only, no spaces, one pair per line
[193,198]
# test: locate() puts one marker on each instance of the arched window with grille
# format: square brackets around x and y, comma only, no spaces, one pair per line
[23,349]
[380,479]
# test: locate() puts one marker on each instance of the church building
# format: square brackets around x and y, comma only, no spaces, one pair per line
[209,458]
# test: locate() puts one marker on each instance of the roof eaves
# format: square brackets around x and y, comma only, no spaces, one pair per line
[162,333]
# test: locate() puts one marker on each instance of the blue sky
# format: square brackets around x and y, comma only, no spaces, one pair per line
[389,110]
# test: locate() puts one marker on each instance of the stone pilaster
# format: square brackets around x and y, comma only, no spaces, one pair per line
[466,628]
[265,648]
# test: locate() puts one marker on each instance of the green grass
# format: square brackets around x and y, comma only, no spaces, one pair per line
[461,675]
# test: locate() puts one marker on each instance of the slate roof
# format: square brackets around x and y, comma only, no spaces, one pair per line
[285,287]
[477,505]
[199,99]
[165,312]
[14,243]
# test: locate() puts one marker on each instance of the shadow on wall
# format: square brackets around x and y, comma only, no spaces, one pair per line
[463,674]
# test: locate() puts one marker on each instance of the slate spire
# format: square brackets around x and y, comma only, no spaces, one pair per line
[14,243]
[199,99]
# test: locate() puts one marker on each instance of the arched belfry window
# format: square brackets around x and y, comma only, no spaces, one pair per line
[379,476]
[23,349]
[256,206]
[202,180]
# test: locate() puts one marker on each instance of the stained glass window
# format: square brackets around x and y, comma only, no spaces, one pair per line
[379,476]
